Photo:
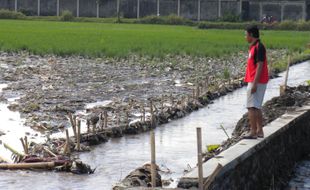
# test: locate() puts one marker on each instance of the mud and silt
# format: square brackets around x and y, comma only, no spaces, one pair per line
[49,87]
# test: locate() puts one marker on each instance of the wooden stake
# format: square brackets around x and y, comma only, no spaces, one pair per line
[67,142]
[65,148]
[50,152]
[183,102]
[143,113]
[88,126]
[162,103]
[118,118]
[206,85]
[197,91]
[101,121]
[23,144]
[37,165]
[78,139]
[284,86]
[152,113]
[105,118]
[287,70]
[153,159]
[73,124]
[26,145]
[199,151]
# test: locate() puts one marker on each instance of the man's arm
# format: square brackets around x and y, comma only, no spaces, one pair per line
[260,61]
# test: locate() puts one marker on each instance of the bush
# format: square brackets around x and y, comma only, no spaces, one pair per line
[285,25]
[303,26]
[176,20]
[28,12]
[171,19]
[66,16]
[226,25]
[7,14]
[230,17]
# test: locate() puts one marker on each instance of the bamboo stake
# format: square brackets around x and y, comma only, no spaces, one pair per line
[101,121]
[153,161]
[183,101]
[105,119]
[162,103]
[78,143]
[65,148]
[23,144]
[199,151]
[50,152]
[188,98]
[206,85]
[143,113]
[26,144]
[118,118]
[37,165]
[73,124]
[202,90]
[284,86]
[152,113]
[88,126]
[67,142]
[287,70]
[197,91]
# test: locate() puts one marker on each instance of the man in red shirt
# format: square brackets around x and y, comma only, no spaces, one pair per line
[257,78]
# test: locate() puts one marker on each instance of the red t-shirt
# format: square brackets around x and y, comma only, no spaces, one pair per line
[257,53]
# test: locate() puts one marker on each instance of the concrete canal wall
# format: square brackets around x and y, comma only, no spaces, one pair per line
[263,163]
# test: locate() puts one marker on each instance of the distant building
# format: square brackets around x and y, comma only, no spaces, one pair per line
[192,9]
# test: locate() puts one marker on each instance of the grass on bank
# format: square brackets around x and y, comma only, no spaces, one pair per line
[121,40]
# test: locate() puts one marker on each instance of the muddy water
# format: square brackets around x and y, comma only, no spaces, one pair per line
[175,144]
[12,125]
[301,177]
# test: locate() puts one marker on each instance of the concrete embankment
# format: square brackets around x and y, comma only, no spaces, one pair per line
[263,163]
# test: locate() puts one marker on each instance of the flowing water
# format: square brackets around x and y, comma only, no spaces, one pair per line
[175,144]
[301,178]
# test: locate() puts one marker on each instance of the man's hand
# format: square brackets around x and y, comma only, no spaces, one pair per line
[254,88]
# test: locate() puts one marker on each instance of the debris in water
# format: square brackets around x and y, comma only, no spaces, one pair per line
[140,177]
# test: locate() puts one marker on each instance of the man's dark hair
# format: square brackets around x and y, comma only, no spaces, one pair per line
[253,31]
